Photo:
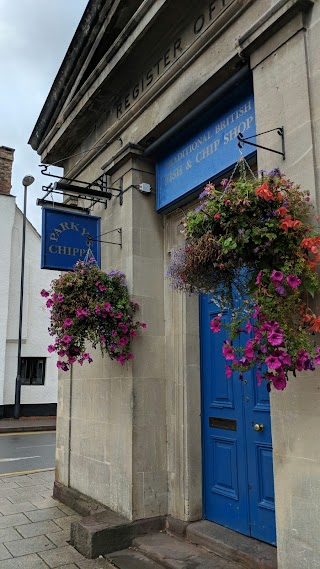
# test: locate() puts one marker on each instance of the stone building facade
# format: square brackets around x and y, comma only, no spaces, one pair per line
[40,375]
[139,91]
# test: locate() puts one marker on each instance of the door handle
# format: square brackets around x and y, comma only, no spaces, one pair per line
[258,427]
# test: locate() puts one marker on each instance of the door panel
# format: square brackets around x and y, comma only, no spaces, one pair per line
[238,472]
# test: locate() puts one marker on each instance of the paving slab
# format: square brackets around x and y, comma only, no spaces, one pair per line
[26,424]
[66,521]
[59,538]
[25,562]
[13,521]
[4,553]
[61,556]
[9,534]
[45,514]
[29,545]
[38,528]
[16,508]
[131,559]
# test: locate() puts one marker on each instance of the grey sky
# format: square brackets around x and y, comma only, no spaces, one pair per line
[34,37]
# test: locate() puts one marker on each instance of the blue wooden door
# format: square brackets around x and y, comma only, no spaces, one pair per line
[237,459]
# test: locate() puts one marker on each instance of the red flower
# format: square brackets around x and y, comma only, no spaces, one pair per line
[217,216]
[281,211]
[264,192]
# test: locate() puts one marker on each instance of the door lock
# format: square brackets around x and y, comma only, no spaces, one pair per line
[258,427]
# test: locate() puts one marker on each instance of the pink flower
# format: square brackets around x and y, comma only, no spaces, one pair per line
[49,303]
[119,315]
[107,306]
[224,182]
[51,348]
[133,333]
[97,283]
[258,281]
[249,352]
[248,327]
[114,333]
[123,341]
[66,339]
[44,293]
[228,351]
[67,322]
[102,288]
[275,338]
[279,381]
[228,372]
[259,378]
[59,364]
[103,339]
[131,356]
[60,297]
[273,362]
[86,356]
[286,359]
[143,325]
[85,312]
[277,276]
[293,281]
[317,359]
[256,310]
[215,324]
[79,312]
[71,360]
[61,353]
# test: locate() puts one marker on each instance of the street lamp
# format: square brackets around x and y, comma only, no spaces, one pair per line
[27,181]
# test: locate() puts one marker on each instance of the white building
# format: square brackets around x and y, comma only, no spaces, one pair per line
[39,371]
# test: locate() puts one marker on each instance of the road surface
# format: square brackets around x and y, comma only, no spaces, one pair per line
[25,452]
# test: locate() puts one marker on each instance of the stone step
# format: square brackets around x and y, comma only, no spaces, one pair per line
[171,553]
[248,552]
[131,559]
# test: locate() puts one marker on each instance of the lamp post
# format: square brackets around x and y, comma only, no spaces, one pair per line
[27,181]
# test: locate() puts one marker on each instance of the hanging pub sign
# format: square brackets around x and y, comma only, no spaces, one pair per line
[206,155]
[66,237]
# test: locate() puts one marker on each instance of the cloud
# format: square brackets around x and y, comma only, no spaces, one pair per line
[34,37]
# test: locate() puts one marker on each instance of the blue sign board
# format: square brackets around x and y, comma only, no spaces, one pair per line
[203,157]
[65,238]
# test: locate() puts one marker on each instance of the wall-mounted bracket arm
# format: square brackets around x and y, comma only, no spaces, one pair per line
[280,130]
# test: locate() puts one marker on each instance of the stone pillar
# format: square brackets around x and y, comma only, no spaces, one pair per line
[143,246]
[283,98]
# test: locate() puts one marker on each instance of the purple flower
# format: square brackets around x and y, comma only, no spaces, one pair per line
[49,303]
[273,362]
[258,279]
[215,325]
[228,351]
[279,381]
[51,348]
[67,322]
[277,276]
[228,372]
[66,339]
[317,359]
[44,293]
[224,182]
[280,290]
[60,297]
[275,338]
[199,208]
[259,378]
[293,281]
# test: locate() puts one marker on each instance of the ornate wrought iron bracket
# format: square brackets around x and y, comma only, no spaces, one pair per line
[118,230]
[97,191]
[280,130]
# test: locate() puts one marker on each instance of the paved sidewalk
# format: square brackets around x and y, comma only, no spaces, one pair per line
[35,529]
[27,424]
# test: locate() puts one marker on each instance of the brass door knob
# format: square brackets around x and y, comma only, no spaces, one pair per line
[258,427]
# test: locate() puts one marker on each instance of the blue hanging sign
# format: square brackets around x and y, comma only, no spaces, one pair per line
[203,157]
[65,238]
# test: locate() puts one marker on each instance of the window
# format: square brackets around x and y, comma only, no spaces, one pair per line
[33,371]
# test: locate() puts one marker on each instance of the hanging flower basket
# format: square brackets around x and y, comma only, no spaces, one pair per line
[253,247]
[88,305]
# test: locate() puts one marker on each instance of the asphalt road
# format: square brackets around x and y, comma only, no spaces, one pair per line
[24,452]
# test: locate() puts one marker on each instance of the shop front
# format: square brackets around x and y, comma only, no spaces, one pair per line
[156,110]
[237,470]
